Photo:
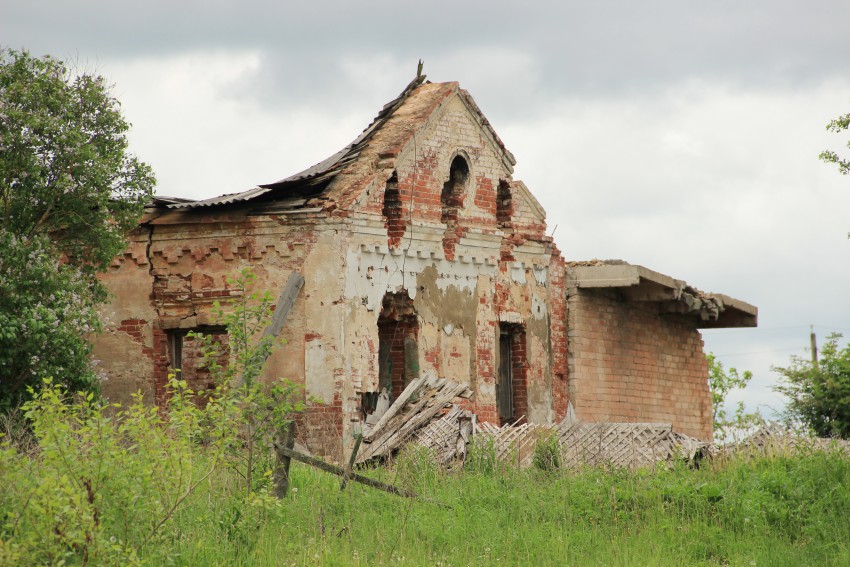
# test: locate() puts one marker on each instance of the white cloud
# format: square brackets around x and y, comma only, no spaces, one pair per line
[715,185]
[203,141]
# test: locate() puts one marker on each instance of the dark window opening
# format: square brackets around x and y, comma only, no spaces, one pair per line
[504,204]
[186,354]
[451,198]
[398,348]
[511,387]
[393,212]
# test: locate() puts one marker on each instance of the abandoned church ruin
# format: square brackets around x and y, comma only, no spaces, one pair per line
[420,256]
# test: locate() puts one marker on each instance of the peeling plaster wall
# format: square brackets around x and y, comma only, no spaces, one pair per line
[126,348]
[170,278]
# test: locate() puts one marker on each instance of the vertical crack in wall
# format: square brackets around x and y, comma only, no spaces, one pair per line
[151,268]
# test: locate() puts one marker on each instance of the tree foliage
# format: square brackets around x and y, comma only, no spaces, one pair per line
[721,382]
[46,309]
[839,124]
[69,192]
[819,393]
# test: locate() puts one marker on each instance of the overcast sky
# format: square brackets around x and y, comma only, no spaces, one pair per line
[682,136]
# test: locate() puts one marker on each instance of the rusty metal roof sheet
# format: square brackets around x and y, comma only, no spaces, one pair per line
[221,199]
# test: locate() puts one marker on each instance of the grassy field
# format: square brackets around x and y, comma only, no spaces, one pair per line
[760,511]
[86,487]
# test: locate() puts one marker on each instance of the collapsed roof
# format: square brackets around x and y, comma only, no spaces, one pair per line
[636,283]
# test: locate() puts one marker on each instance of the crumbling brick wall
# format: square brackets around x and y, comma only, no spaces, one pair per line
[428,210]
[629,364]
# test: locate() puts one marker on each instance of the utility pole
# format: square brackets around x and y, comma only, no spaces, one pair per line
[814,340]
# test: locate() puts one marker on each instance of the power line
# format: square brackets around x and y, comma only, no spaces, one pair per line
[761,352]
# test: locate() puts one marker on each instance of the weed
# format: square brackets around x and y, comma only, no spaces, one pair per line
[546,455]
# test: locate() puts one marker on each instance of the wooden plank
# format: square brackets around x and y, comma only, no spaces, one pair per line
[284,303]
[383,443]
[432,401]
[394,408]
[347,473]
[327,467]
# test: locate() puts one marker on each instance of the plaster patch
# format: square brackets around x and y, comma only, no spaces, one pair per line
[486,392]
[541,274]
[375,271]
[318,378]
[518,273]
[538,307]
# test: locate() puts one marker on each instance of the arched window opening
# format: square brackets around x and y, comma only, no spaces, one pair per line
[451,198]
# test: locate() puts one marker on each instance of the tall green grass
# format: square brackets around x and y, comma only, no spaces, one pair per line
[778,509]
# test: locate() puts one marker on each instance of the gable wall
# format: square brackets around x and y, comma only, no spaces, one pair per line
[464,280]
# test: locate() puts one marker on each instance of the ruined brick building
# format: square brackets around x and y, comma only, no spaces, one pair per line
[420,255]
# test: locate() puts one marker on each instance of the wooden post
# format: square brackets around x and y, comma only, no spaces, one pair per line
[464,435]
[285,440]
[814,340]
[284,303]
[358,437]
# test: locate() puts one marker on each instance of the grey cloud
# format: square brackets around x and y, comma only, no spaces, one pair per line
[588,48]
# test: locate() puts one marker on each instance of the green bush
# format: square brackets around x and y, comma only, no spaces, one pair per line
[105,480]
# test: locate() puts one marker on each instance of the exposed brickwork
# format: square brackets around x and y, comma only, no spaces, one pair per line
[136,329]
[321,427]
[519,372]
[161,363]
[558,330]
[629,364]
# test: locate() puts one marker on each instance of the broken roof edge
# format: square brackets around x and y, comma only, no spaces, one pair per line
[526,193]
[315,179]
[640,284]
[328,164]
[312,173]
[472,106]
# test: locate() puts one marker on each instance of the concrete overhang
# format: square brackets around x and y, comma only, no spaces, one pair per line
[639,284]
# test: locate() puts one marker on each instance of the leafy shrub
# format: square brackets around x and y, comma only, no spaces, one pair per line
[106,480]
